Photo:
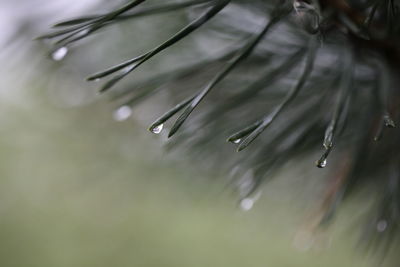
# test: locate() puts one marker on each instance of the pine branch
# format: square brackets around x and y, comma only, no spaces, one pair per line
[349,104]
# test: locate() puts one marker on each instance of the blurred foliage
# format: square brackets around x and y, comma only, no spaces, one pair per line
[66,200]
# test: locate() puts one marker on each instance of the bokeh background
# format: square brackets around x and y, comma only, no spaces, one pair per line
[79,187]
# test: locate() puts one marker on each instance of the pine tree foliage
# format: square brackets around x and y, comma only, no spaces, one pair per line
[323,74]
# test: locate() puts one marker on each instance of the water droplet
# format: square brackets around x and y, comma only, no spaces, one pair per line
[321,163]
[60,53]
[381,226]
[246,204]
[97,80]
[157,129]
[123,113]
[237,141]
[389,122]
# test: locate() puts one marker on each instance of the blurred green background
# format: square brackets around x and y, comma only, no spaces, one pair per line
[78,188]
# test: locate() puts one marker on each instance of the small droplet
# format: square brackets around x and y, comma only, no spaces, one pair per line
[381,226]
[123,113]
[60,53]
[389,122]
[321,163]
[237,141]
[246,204]
[157,129]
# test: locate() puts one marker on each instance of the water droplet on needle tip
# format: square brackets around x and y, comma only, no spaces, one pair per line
[157,129]
[60,53]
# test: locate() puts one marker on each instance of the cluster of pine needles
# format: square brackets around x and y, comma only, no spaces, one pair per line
[353,94]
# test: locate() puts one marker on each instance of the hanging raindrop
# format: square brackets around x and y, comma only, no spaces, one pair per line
[157,129]
[246,204]
[321,163]
[237,141]
[389,121]
[60,53]
[123,113]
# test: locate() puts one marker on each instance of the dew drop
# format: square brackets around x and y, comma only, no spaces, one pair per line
[60,53]
[246,204]
[123,113]
[157,129]
[237,141]
[321,163]
[389,122]
[381,226]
